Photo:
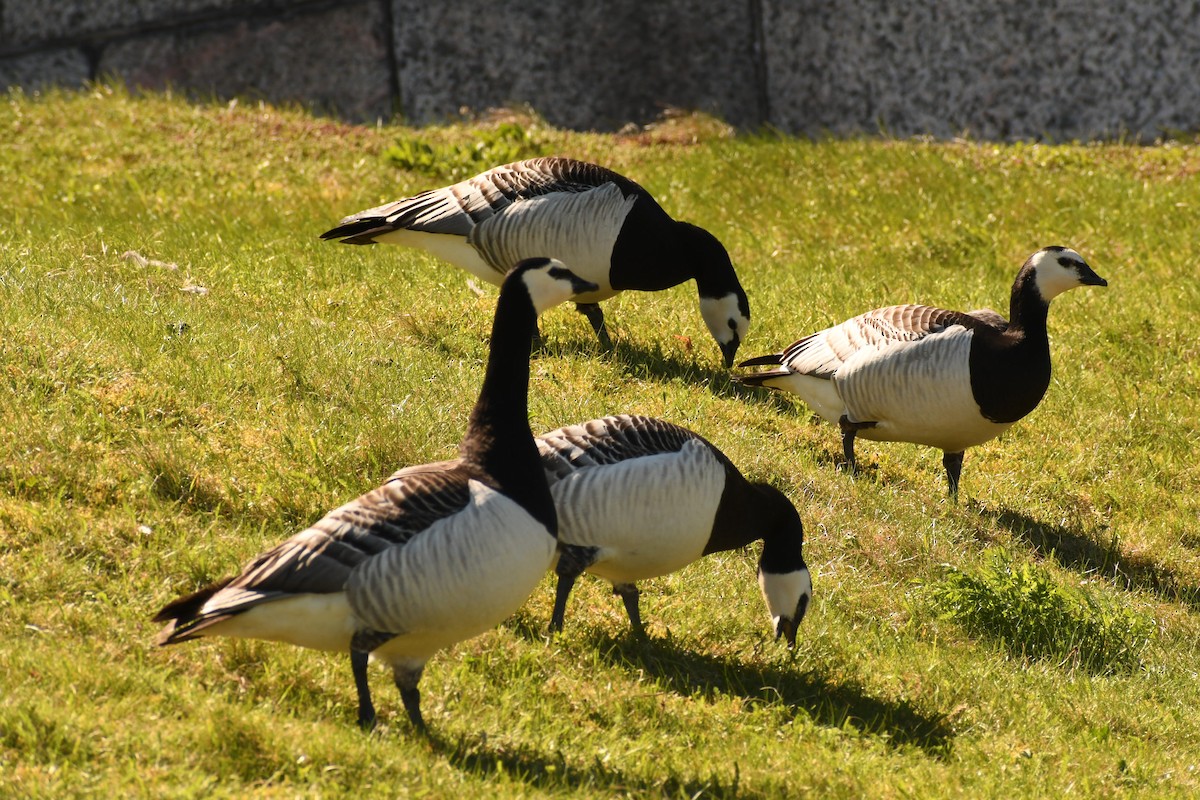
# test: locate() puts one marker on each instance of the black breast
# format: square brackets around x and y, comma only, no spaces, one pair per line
[1009,373]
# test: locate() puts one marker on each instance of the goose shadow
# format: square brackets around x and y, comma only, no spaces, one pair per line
[1076,550]
[656,362]
[482,758]
[828,703]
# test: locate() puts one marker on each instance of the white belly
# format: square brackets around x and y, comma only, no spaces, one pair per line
[648,516]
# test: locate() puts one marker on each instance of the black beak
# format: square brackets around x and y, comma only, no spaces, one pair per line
[1088,277]
[581,286]
[729,350]
[786,628]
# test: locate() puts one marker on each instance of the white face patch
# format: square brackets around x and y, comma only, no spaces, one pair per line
[1055,272]
[783,592]
[719,312]
[545,290]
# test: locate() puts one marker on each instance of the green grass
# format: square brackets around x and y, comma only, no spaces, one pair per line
[164,419]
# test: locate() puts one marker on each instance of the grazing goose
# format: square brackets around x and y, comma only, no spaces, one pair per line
[638,498]
[930,376]
[439,553]
[604,226]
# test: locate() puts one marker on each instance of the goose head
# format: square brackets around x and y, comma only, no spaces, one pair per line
[723,302]
[783,576]
[728,320]
[1054,270]
[549,282]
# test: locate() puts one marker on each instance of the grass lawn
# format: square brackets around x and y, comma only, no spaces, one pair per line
[188,375]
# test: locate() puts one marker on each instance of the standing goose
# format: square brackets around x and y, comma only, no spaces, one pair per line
[607,228]
[930,376]
[439,553]
[638,497]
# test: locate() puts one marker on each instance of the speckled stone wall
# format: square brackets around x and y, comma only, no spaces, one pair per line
[1055,69]
[996,70]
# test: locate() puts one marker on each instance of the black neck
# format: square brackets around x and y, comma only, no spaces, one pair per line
[1027,309]
[709,260]
[752,511]
[783,537]
[498,439]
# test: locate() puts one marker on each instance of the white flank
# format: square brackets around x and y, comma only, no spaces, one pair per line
[917,391]
[649,516]
[456,579]
[783,592]
[577,228]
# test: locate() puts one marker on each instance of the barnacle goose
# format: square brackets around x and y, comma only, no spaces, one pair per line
[941,378]
[439,553]
[609,230]
[638,497]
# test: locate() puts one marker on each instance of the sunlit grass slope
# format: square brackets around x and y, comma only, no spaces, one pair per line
[187,375]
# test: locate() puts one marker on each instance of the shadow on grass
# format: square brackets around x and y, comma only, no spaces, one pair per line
[827,703]
[482,758]
[1076,550]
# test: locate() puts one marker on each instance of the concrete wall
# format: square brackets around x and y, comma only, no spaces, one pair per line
[1003,70]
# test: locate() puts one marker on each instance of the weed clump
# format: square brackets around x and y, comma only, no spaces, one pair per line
[504,144]
[1031,614]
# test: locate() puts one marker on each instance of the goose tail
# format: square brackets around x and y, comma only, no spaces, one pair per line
[763,361]
[761,378]
[356,230]
[182,615]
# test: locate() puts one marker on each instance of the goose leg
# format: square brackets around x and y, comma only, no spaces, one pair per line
[629,595]
[953,464]
[849,431]
[410,695]
[572,561]
[366,709]
[595,315]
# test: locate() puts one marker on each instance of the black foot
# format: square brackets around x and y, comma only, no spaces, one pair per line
[629,595]
[595,315]
[953,464]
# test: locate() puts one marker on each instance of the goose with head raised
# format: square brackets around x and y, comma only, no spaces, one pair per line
[438,554]
[638,497]
[609,230]
[930,376]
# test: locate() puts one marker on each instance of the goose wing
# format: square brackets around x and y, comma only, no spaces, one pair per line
[319,559]
[457,209]
[822,354]
[611,440]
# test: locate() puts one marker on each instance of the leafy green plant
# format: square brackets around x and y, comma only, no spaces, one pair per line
[505,143]
[1027,610]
